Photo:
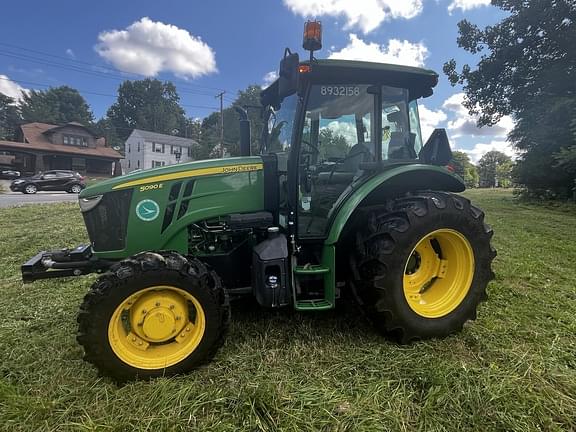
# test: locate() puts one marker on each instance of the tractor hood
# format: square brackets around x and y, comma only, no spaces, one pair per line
[194,169]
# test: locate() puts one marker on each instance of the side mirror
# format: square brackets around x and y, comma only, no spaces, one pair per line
[288,79]
[437,150]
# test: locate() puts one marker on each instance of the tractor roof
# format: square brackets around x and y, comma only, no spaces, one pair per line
[418,81]
[383,70]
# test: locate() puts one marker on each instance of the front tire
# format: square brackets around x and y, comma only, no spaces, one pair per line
[421,265]
[155,314]
[75,189]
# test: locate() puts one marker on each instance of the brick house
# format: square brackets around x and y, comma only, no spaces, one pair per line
[72,146]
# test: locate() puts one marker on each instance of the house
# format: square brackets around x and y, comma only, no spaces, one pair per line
[72,146]
[145,149]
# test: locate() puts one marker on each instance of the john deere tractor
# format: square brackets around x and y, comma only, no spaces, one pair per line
[344,200]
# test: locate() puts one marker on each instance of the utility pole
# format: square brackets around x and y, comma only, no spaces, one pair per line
[221,96]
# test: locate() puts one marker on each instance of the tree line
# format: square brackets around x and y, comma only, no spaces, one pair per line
[527,69]
[147,104]
[153,105]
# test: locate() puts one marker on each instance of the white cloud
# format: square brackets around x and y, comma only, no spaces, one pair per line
[464,124]
[70,53]
[481,149]
[345,129]
[147,47]
[466,4]
[366,15]
[430,120]
[269,78]
[397,52]
[10,88]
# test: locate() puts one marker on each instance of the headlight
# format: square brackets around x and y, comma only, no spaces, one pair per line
[17,181]
[87,204]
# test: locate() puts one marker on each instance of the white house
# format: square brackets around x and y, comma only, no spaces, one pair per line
[143,150]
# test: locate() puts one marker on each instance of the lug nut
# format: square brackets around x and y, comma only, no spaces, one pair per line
[133,339]
[177,318]
[144,311]
[157,304]
[187,328]
[171,306]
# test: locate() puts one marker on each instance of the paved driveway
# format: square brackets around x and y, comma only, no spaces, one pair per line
[11,199]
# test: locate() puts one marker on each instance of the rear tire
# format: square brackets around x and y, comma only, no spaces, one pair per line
[155,314]
[421,264]
[30,189]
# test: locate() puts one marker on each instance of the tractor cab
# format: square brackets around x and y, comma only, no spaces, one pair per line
[332,125]
[341,122]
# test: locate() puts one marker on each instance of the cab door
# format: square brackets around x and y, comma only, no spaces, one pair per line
[339,135]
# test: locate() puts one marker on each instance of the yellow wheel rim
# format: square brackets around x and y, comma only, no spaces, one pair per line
[157,327]
[438,274]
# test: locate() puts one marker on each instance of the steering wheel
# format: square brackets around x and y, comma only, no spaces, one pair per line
[313,147]
[344,159]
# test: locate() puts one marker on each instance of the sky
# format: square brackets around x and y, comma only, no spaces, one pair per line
[206,47]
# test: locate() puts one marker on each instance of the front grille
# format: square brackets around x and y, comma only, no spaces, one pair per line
[107,223]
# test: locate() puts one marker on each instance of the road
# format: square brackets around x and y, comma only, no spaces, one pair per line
[11,199]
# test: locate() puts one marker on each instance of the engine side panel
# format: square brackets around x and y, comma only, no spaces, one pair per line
[161,211]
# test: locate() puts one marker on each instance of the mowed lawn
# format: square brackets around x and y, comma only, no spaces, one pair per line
[512,369]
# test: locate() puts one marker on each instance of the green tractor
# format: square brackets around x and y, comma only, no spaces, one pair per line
[344,200]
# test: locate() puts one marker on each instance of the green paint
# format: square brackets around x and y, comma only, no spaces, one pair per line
[428,175]
[212,196]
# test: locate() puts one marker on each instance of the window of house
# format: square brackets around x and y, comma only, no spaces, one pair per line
[156,164]
[157,147]
[189,151]
[138,163]
[138,147]
[128,163]
[175,150]
[76,140]
[128,147]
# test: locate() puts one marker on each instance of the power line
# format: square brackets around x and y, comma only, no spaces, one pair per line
[113,70]
[98,94]
[85,71]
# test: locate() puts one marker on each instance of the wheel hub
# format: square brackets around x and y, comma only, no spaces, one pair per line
[438,273]
[158,316]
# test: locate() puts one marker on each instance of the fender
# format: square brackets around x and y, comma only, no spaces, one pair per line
[394,181]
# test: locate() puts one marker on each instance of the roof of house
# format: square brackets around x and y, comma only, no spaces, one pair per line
[164,139]
[37,139]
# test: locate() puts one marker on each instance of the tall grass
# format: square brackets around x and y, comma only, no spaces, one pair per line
[512,369]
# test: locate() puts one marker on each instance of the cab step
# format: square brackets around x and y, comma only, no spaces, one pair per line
[314,305]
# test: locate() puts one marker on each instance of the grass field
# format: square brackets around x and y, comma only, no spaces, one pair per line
[512,369]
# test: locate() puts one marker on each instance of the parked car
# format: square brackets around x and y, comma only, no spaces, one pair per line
[7,173]
[57,180]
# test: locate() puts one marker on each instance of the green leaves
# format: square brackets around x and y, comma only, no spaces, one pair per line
[56,106]
[527,69]
[148,104]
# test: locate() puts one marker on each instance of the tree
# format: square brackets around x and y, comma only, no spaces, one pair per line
[332,144]
[56,105]
[147,104]
[464,168]
[9,117]
[527,69]
[248,99]
[493,168]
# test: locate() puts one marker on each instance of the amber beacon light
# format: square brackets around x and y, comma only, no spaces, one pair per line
[312,36]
